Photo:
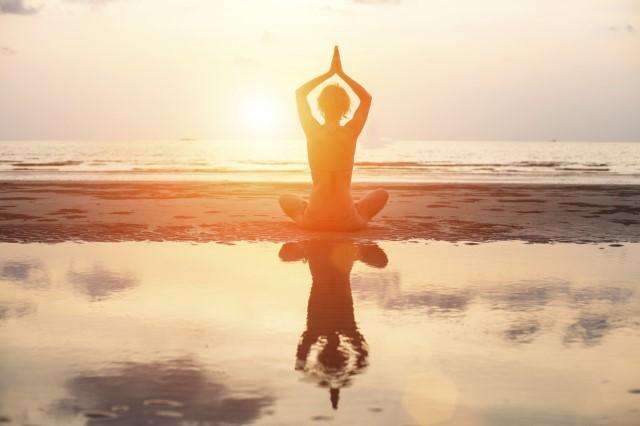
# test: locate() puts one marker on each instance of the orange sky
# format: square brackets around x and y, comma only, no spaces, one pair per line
[470,69]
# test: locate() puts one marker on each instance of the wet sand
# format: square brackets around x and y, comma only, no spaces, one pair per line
[230,212]
[287,326]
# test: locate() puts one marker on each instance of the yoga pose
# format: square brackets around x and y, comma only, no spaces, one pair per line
[331,148]
[331,350]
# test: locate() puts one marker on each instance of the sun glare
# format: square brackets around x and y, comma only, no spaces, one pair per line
[260,114]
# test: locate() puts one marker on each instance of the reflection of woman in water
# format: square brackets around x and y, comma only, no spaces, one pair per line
[332,350]
[331,148]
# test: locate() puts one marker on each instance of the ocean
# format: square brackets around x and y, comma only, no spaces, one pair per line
[285,160]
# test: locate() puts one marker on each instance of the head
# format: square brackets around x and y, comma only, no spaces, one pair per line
[333,102]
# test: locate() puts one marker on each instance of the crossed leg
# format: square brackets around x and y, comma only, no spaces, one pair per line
[368,206]
[371,204]
[293,207]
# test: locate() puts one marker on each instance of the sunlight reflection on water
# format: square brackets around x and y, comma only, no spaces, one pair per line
[286,161]
[389,333]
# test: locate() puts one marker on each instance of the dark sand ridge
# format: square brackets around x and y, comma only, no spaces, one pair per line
[228,212]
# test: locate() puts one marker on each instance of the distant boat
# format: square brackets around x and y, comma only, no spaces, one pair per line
[187,139]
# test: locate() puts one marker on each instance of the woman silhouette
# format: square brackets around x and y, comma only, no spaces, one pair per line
[331,148]
[341,351]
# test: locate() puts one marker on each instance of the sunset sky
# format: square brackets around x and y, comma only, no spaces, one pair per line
[437,69]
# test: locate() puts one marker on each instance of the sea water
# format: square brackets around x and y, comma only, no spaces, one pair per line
[285,160]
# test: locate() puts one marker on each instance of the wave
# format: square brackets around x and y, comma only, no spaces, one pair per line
[409,166]
[49,164]
[584,169]
[411,161]
[210,170]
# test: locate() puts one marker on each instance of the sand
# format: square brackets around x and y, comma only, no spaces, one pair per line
[229,212]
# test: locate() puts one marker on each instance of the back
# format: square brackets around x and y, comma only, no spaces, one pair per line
[330,148]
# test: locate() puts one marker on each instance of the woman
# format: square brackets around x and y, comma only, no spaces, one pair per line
[331,350]
[331,148]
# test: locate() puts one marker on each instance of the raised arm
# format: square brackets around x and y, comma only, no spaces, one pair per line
[304,110]
[360,116]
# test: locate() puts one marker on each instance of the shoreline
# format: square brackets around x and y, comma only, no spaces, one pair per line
[307,181]
[197,211]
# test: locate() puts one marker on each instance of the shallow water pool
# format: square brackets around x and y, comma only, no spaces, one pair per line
[329,331]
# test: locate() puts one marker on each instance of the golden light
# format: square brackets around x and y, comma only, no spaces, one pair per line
[260,113]
[431,397]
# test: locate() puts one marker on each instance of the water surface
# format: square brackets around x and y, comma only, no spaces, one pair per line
[393,333]
[286,160]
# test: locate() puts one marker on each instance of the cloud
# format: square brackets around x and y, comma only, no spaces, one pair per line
[25,273]
[598,311]
[169,393]
[17,7]
[590,329]
[628,28]
[99,283]
[523,332]
[26,7]
[7,51]
[15,310]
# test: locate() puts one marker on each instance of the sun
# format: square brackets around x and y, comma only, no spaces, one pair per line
[260,113]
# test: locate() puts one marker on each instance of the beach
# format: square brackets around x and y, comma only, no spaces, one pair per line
[174,302]
[58,211]
[160,283]
[285,213]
